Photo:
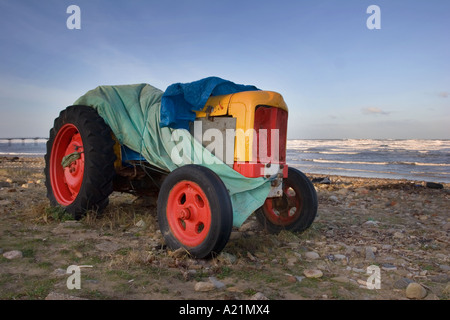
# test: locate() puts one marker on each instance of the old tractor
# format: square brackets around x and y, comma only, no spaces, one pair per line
[85,163]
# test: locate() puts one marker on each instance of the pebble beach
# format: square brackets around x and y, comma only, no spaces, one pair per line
[396,230]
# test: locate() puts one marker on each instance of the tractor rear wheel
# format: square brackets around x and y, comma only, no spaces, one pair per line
[295,210]
[195,211]
[79,163]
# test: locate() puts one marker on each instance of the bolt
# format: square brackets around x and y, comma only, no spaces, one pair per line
[184,214]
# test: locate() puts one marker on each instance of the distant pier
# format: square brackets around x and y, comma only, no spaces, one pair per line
[35,139]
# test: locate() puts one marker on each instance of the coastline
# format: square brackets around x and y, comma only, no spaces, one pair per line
[334,178]
[400,226]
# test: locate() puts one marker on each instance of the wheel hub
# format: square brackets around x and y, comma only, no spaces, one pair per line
[188,213]
[184,214]
[67,164]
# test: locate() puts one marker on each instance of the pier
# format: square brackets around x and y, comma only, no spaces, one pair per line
[10,140]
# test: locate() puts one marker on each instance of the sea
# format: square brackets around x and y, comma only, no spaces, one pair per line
[416,160]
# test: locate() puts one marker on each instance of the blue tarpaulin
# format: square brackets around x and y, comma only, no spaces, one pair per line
[180,100]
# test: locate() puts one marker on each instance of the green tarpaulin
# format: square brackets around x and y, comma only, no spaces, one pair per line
[133,113]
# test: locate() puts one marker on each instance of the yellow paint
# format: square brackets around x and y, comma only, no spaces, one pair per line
[242,106]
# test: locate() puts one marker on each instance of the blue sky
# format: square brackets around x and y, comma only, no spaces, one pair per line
[339,79]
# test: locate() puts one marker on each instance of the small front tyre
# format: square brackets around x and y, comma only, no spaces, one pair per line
[295,210]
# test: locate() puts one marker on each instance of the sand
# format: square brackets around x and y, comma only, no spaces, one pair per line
[398,228]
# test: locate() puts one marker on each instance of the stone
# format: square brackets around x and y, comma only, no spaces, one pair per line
[362,190]
[444,267]
[313,273]
[398,235]
[341,279]
[441,256]
[402,283]
[251,257]
[311,255]
[371,223]
[446,289]
[226,257]
[325,180]
[107,246]
[370,255]
[93,281]
[60,272]
[433,185]
[388,267]
[259,296]
[340,256]
[415,291]
[5,184]
[217,284]
[292,261]
[250,226]
[14,254]
[141,224]
[178,253]
[291,278]
[204,286]
[235,235]
[334,198]
[362,283]
[446,227]
[4,202]
[61,296]
[441,278]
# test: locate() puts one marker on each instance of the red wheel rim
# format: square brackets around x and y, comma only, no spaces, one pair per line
[188,213]
[66,181]
[284,210]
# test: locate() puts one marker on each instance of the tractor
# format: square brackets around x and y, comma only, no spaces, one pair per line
[86,162]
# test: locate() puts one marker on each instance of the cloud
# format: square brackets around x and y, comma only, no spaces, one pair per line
[374,110]
[443,94]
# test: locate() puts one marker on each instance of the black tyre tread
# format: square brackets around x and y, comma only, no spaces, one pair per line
[309,210]
[99,171]
[220,203]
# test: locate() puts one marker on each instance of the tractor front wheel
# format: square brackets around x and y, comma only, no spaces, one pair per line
[195,211]
[295,210]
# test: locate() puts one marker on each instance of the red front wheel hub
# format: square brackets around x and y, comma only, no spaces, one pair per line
[188,213]
[67,164]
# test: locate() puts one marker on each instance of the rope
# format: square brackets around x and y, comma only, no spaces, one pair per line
[67,160]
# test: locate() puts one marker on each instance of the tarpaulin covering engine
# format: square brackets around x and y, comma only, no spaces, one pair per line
[133,114]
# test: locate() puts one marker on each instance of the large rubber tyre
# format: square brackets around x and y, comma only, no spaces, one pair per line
[195,211]
[83,140]
[295,210]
